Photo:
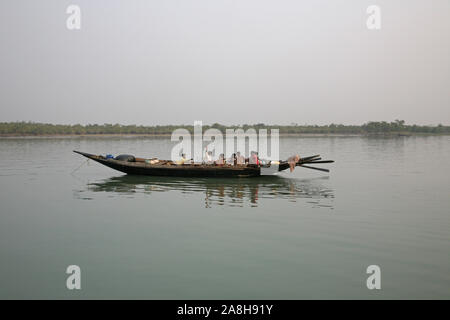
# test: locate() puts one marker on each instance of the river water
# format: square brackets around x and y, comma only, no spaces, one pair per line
[301,235]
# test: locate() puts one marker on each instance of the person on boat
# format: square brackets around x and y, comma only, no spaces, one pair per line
[208,157]
[293,161]
[240,158]
[232,160]
[182,160]
[253,158]
[221,160]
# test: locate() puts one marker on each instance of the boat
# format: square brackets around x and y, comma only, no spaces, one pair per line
[139,166]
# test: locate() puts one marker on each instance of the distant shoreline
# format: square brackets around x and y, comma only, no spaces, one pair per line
[383,128]
[137,135]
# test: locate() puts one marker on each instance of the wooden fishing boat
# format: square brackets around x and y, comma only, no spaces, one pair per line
[139,166]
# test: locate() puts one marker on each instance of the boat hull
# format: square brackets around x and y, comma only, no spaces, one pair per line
[187,170]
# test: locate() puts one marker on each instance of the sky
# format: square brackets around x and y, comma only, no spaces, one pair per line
[151,62]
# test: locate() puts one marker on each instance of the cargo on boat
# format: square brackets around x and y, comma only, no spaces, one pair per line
[155,167]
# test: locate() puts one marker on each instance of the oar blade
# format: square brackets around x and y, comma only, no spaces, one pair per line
[315,168]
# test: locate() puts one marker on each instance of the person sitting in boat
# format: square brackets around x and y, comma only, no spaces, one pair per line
[232,160]
[293,161]
[253,158]
[208,157]
[240,158]
[182,160]
[221,160]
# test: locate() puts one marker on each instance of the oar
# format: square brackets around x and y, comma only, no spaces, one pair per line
[301,161]
[306,161]
[320,169]
[323,161]
[310,158]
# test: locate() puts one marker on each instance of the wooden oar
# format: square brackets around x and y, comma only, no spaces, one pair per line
[309,158]
[322,161]
[302,161]
[306,161]
[314,168]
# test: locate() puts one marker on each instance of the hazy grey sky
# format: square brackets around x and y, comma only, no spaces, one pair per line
[227,61]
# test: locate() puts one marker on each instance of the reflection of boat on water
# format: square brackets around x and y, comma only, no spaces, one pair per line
[222,191]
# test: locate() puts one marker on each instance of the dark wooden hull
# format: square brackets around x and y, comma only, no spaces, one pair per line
[188,170]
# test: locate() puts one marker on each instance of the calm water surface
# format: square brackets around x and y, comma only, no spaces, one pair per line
[300,235]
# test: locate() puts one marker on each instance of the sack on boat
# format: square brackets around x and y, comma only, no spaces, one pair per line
[126,157]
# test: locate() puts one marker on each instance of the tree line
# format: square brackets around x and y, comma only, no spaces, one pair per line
[383,127]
